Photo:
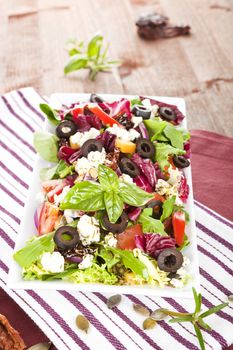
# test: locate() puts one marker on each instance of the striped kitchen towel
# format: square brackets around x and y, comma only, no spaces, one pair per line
[55,311]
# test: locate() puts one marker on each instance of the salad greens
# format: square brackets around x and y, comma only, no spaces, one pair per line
[149,224]
[59,171]
[51,114]
[46,145]
[93,57]
[163,150]
[168,207]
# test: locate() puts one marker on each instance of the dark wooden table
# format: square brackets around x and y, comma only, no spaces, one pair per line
[198,67]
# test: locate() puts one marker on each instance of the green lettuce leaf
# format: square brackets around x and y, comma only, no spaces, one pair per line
[51,114]
[59,171]
[155,129]
[168,206]
[174,135]
[149,224]
[46,145]
[163,150]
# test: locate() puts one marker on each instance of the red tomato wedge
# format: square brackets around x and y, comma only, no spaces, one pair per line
[178,223]
[158,197]
[126,239]
[106,119]
[47,219]
[53,187]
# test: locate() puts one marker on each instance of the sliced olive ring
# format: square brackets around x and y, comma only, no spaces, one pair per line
[167,113]
[145,148]
[128,167]
[119,226]
[91,145]
[157,206]
[66,237]
[96,98]
[180,162]
[66,129]
[170,260]
[141,111]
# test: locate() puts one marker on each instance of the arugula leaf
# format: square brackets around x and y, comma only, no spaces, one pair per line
[130,262]
[149,224]
[133,195]
[46,145]
[84,195]
[109,258]
[59,171]
[168,206]
[50,113]
[107,178]
[34,249]
[174,135]
[114,205]
[163,150]
[155,128]
[135,101]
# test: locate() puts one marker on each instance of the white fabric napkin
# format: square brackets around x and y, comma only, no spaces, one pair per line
[55,311]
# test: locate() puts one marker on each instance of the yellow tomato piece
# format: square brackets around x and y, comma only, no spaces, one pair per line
[125,146]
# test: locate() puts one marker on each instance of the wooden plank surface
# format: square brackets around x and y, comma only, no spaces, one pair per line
[199,67]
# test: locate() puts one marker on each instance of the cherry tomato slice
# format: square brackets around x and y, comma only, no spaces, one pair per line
[126,239]
[178,222]
[47,219]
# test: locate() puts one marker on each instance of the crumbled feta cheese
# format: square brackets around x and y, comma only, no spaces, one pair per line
[58,198]
[82,166]
[136,121]
[126,178]
[96,158]
[154,111]
[86,262]
[110,240]
[123,134]
[181,272]
[176,283]
[71,214]
[168,190]
[163,187]
[88,228]
[146,103]
[85,165]
[175,176]
[80,137]
[53,262]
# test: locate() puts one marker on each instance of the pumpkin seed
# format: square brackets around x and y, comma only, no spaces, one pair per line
[113,301]
[141,309]
[82,323]
[41,346]
[230,298]
[149,323]
[158,315]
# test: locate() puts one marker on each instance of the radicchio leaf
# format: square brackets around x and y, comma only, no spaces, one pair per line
[187,148]
[117,107]
[108,141]
[86,122]
[141,181]
[133,213]
[147,169]
[183,189]
[65,152]
[143,131]
[153,244]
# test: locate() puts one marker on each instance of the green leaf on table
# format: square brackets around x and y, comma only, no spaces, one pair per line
[133,195]
[203,324]
[46,145]
[198,300]
[149,224]
[76,62]
[213,310]
[174,135]
[163,150]
[130,262]
[94,46]
[34,249]
[51,114]
[107,178]
[114,205]
[185,318]
[87,196]
[168,206]
[199,336]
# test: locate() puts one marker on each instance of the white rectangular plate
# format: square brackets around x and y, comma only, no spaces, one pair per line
[27,227]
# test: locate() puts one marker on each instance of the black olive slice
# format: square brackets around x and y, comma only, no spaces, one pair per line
[180,162]
[157,206]
[119,226]
[141,111]
[91,145]
[170,260]
[66,237]
[167,113]
[96,98]
[128,167]
[145,148]
[65,129]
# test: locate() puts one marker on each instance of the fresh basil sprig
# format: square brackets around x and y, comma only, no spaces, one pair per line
[110,194]
[93,57]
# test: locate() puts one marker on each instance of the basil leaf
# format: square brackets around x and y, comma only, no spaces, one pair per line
[168,206]
[76,62]
[163,150]
[149,224]
[94,46]
[86,196]
[130,262]
[155,128]
[174,135]
[114,205]
[50,113]
[34,249]
[107,178]
[133,195]
[46,145]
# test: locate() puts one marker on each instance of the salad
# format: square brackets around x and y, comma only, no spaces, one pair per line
[111,208]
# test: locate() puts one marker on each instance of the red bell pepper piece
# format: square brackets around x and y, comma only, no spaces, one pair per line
[104,117]
[178,223]
[77,111]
